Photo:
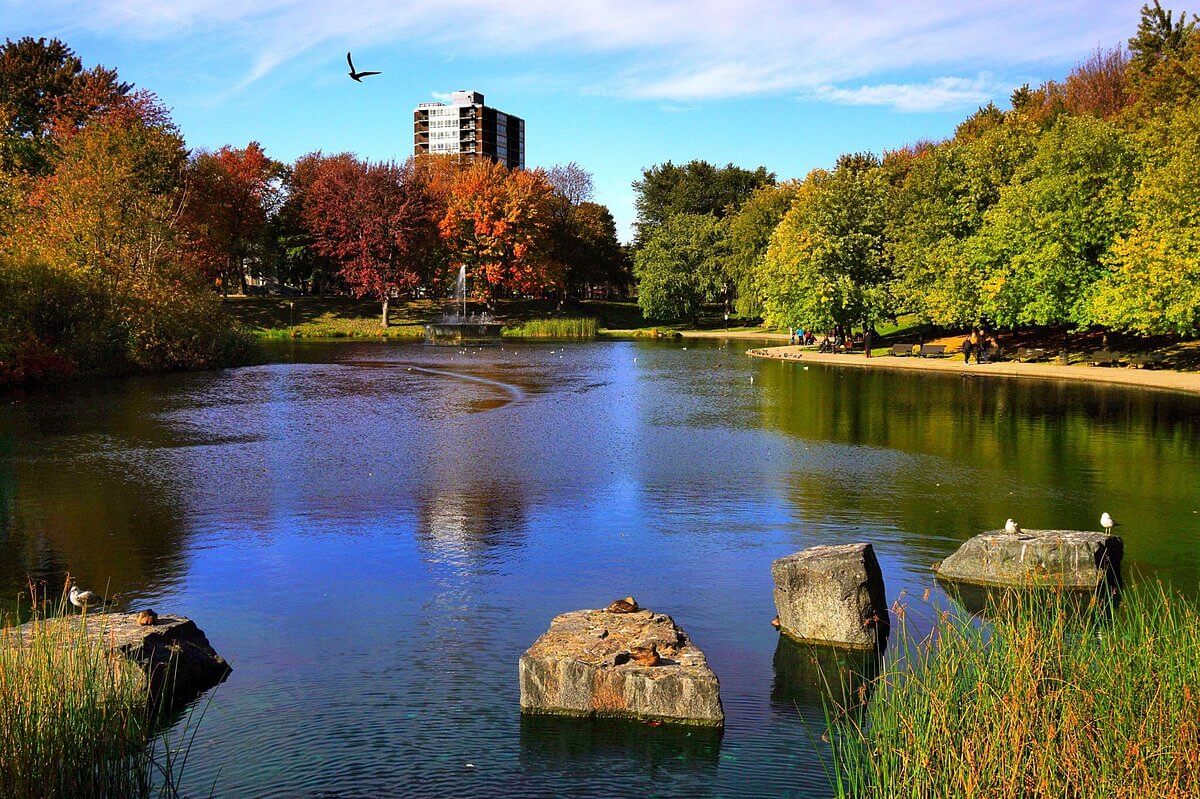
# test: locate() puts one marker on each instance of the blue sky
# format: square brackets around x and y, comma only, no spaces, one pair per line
[615,85]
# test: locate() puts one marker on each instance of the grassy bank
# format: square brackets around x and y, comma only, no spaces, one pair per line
[77,720]
[346,317]
[1039,702]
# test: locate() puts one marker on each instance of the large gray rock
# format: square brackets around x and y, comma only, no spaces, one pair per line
[1072,559]
[581,666]
[174,652]
[832,595]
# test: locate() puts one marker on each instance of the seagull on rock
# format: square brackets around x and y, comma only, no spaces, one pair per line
[1107,522]
[1012,528]
[84,599]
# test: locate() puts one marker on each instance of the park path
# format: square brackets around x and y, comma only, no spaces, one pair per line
[1164,379]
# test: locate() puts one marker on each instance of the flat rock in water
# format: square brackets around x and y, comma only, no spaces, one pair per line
[832,595]
[581,666]
[174,652]
[1075,559]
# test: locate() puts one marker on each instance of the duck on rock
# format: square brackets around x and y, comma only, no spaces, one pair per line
[626,605]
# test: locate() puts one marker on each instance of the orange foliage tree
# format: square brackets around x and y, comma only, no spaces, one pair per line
[497,225]
[112,204]
[372,219]
[230,194]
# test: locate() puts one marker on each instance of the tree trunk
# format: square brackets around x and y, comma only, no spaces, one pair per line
[386,300]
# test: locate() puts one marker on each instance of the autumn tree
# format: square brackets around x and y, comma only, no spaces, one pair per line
[232,193]
[44,84]
[373,220]
[497,225]
[826,264]
[113,202]
[292,248]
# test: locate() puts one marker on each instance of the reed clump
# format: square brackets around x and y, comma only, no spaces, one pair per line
[76,719]
[1039,700]
[582,327]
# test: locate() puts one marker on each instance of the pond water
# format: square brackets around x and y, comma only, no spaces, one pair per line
[372,533]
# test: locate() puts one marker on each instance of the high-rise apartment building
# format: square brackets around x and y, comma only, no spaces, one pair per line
[468,127]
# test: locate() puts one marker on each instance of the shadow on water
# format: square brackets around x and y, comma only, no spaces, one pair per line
[989,602]
[564,743]
[811,678]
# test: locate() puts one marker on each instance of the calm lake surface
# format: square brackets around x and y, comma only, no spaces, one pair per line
[373,533]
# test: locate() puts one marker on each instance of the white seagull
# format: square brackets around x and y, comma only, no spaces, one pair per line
[1012,528]
[1107,522]
[83,599]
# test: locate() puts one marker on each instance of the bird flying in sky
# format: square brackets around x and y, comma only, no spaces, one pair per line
[355,74]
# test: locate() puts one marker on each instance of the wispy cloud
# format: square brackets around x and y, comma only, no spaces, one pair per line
[672,51]
[939,94]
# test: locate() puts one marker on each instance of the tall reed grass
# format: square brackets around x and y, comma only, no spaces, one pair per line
[553,328]
[77,720]
[1040,701]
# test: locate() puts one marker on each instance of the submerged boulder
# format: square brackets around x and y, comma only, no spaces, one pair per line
[1073,559]
[596,663]
[832,595]
[173,651]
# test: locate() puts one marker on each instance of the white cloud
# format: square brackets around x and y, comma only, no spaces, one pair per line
[674,51]
[939,94]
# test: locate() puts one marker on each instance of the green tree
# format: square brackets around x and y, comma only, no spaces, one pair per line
[1153,281]
[826,264]
[1160,36]
[939,196]
[749,234]
[696,187]
[593,255]
[1040,248]
[678,268]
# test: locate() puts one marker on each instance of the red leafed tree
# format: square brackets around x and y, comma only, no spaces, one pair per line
[497,224]
[373,219]
[230,194]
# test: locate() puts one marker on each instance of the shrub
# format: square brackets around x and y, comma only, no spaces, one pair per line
[553,328]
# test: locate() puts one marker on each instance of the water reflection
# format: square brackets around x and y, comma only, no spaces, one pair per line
[811,679]
[471,525]
[567,744]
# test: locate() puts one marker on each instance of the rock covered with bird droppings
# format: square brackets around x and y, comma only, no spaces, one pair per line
[832,595]
[1074,559]
[638,665]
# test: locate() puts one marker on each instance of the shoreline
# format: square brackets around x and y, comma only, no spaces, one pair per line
[1158,379]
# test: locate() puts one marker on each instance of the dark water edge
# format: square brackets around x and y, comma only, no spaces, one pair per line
[373,532]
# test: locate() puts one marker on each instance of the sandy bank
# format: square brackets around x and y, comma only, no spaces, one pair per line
[1162,379]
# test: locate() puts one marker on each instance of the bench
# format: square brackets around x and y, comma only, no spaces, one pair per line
[1147,360]
[932,350]
[1027,354]
[1104,358]
[902,349]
